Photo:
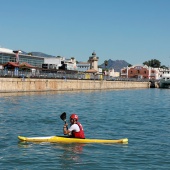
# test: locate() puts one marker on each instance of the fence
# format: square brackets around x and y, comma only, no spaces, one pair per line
[64,75]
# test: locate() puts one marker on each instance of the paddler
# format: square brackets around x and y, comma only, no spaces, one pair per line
[76,129]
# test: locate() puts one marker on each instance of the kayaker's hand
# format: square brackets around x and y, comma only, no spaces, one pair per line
[65,129]
[66,125]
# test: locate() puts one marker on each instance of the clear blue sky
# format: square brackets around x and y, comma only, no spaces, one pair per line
[130,30]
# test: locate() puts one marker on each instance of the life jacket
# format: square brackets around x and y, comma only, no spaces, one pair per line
[79,134]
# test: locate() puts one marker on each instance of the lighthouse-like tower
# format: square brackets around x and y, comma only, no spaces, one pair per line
[93,60]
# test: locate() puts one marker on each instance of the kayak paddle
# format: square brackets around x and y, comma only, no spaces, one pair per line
[63,116]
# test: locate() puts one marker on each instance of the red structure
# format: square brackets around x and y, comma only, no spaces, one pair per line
[142,72]
[13,65]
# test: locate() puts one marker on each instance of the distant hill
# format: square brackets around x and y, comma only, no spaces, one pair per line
[117,65]
[40,54]
[23,52]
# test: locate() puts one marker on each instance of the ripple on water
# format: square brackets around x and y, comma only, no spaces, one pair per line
[140,115]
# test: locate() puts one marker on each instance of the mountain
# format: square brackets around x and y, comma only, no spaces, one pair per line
[23,52]
[117,65]
[40,54]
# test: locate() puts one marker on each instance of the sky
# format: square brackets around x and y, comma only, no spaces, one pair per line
[132,30]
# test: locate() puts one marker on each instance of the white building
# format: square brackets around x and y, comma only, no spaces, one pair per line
[164,73]
[111,72]
[52,62]
[83,66]
[70,64]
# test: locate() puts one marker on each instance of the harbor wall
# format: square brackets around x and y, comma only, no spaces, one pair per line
[26,85]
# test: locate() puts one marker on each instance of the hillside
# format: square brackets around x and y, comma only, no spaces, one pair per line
[40,54]
[117,65]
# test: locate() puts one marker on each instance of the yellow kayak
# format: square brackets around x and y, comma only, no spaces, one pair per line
[63,139]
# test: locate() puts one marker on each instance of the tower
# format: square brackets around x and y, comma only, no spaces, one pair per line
[93,60]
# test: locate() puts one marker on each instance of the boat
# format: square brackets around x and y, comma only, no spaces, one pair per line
[64,139]
[164,81]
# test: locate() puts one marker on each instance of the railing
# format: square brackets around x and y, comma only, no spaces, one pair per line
[60,75]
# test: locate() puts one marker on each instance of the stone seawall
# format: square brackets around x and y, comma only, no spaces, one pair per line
[20,85]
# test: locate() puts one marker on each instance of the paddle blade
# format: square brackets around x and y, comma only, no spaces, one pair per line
[63,116]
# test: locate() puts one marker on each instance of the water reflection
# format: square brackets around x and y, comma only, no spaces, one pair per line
[76,148]
[22,144]
[71,154]
[73,148]
[66,154]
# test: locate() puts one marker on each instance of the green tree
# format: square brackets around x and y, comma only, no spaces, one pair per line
[163,66]
[105,63]
[153,63]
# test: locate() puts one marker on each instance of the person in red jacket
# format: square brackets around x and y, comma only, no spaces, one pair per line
[76,129]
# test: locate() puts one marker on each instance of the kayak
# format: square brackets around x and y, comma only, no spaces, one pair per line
[63,139]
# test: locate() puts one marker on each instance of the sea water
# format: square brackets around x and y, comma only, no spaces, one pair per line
[141,115]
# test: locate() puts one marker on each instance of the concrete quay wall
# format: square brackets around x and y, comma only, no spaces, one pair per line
[26,85]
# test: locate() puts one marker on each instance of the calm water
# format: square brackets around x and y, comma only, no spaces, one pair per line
[141,115]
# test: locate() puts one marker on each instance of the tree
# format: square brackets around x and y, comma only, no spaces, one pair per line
[153,63]
[130,65]
[164,67]
[105,63]
[29,53]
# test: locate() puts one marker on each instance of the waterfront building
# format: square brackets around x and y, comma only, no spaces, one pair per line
[12,59]
[18,56]
[70,64]
[7,55]
[164,73]
[83,66]
[111,73]
[52,62]
[13,68]
[140,72]
[154,73]
[164,80]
